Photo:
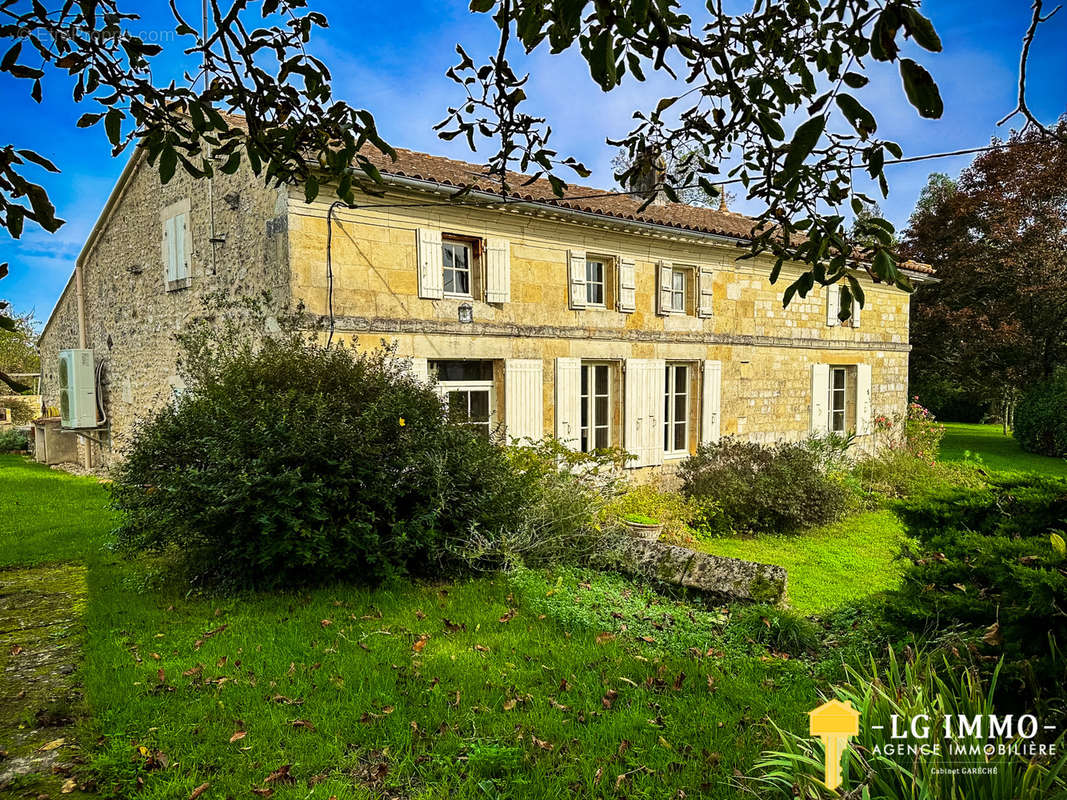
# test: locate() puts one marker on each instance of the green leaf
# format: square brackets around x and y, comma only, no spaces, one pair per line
[113,126]
[921,90]
[88,120]
[481,6]
[11,56]
[884,267]
[39,160]
[860,118]
[854,80]
[921,30]
[311,188]
[804,141]
[168,162]
[1058,544]
[44,213]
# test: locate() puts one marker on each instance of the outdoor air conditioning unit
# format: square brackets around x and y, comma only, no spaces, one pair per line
[77,389]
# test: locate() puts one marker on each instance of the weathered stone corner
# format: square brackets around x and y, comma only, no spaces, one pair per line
[730,577]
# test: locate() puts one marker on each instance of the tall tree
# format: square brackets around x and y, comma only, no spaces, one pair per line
[998,238]
[18,351]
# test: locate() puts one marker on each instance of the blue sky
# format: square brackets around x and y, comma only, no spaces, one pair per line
[391,59]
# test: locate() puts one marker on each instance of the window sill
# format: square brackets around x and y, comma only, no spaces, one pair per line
[452,296]
[676,456]
[182,283]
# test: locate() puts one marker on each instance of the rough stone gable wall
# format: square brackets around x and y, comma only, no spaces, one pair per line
[131,317]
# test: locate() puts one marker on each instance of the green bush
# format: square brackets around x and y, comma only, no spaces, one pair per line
[12,439]
[647,500]
[1041,417]
[560,498]
[991,563]
[773,489]
[287,462]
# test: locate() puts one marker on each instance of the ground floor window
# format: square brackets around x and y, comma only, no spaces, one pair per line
[838,398]
[676,410]
[596,406]
[468,392]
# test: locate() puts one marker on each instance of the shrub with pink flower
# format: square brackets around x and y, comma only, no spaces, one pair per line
[922,432]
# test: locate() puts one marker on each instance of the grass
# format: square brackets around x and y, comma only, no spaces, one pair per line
[492,687]
[49,515]
[996,450]
[828,566]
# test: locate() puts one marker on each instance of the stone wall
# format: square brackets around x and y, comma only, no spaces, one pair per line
[131,317]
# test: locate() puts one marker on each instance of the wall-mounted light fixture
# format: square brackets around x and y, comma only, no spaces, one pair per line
[466,313]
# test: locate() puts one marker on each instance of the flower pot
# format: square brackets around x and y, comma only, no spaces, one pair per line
[640,530]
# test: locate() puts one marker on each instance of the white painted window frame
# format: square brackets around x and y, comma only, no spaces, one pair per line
[833,395]
[670,395]
[587,402]
[602,283]
[469,250]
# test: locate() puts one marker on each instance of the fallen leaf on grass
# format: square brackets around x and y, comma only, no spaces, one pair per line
[541,743]
[509,704]
[609,698]
[238,736]
[69,785]
[326,623]
[601,638]
[289,701]
[303,723]
[481,648]
[199,790]
[267,792]
[52,745]
[509,616]
[16,649]
[420,643]
[453,627]
[281,775]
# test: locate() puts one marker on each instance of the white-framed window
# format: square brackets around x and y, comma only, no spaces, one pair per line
[838,399]
[468,392]
[596,270]
[457,260]
[596,406]
[678,282]
[676,410]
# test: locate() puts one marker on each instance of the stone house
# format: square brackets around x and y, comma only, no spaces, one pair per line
[583,317]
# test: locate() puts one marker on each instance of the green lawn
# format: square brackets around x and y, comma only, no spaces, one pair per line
[484,688]
[996,450]
[831,565]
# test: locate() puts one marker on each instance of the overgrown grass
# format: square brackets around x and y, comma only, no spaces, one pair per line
[476,689]
[827,566]
[997,451]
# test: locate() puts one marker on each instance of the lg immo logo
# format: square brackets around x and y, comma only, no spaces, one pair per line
[834,722]
[952,738]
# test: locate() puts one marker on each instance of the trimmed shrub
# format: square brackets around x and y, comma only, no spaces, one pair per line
[767,489]
[286,462]
[993,564]
[1040,424]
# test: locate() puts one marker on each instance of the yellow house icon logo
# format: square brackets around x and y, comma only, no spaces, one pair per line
[833,722]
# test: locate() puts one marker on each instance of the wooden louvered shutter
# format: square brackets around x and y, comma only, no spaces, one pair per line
[431,270]
[523,399]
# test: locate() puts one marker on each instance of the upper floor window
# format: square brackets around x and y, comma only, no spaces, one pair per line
[678,286]
[176,244]
[458,260]
[595,282]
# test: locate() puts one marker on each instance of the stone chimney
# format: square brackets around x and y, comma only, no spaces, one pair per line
[722,197]
[647,179]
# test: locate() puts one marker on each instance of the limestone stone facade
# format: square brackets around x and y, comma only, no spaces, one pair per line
[546,320]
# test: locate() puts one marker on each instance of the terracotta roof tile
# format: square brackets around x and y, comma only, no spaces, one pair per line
[449,172]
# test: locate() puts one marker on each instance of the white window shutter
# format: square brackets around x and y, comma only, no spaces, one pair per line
[569,401]
[712,403]
[420,368]
[863,399]
[833,304]
[706,304]
[523,399]
[576,279]
[627,285]
[663,287]
[169,252]
[431,270]
[820,398]
[643,412]
[855,313]
[498,271]
[181,240]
